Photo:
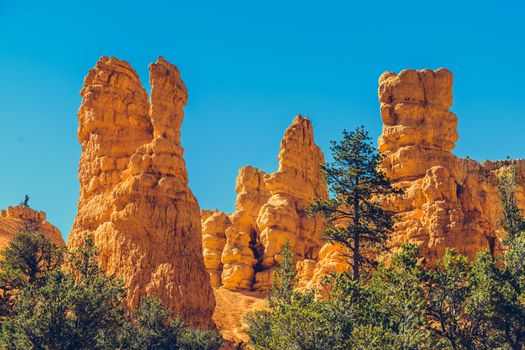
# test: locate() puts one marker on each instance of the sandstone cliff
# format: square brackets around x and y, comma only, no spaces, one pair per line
[134,196]
[449,201]
[271,209]
[23,218]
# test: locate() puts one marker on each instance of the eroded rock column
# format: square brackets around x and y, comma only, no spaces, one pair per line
[135,198]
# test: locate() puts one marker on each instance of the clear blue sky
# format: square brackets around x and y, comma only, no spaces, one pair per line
[250,66]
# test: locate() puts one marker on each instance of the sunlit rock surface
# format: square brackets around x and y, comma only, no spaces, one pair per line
[23,218]
[134,196]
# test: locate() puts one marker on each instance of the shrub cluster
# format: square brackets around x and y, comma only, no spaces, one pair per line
[54,299]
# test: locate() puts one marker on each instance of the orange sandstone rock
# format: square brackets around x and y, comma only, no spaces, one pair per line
[448,201]
[333,258]
[242,244]
[214,225]
[22,218]
[271,209]
[134,196]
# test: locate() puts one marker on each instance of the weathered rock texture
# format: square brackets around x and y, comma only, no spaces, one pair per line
[214,225]
[449,201]
[271,209]
[23,218]
[134,196]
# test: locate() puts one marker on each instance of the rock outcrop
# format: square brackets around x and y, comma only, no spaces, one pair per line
[448,201]
[214,225]
[271,209]
[23,218]
[134,196]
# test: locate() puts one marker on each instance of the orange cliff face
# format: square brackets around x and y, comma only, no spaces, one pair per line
[270,209]
[134,196]
[448,201]
[23,218]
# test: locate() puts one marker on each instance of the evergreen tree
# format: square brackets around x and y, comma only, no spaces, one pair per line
[283,280]
[26,260]
[30,255]
[400,298]
[153,328]
[25,202]
[81,309]
[497,301]
[449,293]
[354,216]
[512,221]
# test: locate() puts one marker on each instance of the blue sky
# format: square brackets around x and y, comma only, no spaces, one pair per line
[250,67]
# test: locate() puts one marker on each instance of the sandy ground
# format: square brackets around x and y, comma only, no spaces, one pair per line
[230,309]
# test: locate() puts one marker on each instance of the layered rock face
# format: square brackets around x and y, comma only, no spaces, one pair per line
[23,218]
[134,197]
[449,202]
[271,209]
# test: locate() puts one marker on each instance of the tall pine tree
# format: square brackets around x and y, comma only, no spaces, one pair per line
[353,215]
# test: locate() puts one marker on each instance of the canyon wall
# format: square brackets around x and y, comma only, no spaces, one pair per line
[270,209]
[134,194]
[448,201]
[23,218]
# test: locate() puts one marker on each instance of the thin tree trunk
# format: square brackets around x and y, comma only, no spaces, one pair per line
[356,237]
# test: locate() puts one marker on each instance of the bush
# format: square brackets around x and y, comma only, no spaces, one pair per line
[80,307]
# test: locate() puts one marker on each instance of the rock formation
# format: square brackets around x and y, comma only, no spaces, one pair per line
[271,209]
[134,196]
[448,201]
[214,225]
[333,258]
[23,218]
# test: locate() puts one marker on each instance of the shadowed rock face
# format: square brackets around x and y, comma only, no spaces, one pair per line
[271,209]
[449,201]
[134,196]
[22,218]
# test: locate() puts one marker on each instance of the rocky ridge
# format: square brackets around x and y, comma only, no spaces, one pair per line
[23,218]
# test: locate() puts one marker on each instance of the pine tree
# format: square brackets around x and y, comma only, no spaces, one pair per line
[512,220]
[153,328]
[354,216]
[283,281]
[80,307]
[26,261]
[31,255]
[25,202]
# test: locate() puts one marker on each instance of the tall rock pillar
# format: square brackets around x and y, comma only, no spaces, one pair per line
[134,197]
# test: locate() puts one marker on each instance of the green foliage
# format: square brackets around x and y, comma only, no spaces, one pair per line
[512,220]
[449,293]
[283,280]
[354,216]
[69,310]
[458,304]
[152,328]
[28,257]
[81,307]
[399,297]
